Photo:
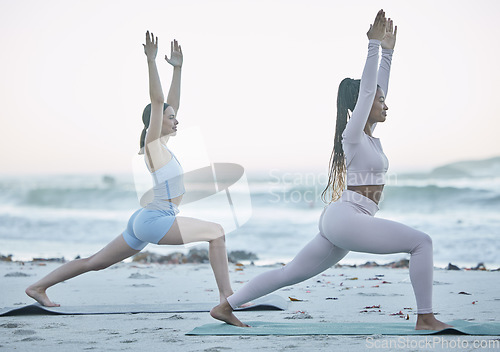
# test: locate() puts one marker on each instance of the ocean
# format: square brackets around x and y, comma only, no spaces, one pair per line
[56,216]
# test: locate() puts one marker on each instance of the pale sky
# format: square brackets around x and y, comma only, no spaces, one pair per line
[260,80]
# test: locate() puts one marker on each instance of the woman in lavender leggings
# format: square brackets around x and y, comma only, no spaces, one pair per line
[348,222]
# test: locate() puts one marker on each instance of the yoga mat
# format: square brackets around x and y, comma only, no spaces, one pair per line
[460,327]
[271,302]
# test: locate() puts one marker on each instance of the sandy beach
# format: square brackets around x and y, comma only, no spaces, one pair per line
[339,294]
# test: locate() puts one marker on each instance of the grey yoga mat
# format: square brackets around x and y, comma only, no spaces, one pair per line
[460,327]
[270,302]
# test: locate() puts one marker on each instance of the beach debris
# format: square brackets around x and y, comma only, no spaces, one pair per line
[452,267]
[464,293]
[195,255]
[371,309]
[386,282]
[7,258]
[295,299]
[337,266]
[474,302]
[24,332]
[352,278]
[331,298]
[216,348]
[400,313]
[140,276]
[376,286]
[175,317]
[369,265]
[148,257]
[400,264]
[52,260]
[16,274]
[480,266]
[300,315]
[236,256]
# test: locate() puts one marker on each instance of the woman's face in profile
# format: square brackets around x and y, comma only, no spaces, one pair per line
[169,125]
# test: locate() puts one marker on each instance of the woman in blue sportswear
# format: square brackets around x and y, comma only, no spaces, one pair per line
[157,221]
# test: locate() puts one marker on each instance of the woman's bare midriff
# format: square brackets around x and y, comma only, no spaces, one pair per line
[374,192]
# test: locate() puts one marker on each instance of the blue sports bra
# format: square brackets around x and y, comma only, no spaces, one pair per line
[168,180]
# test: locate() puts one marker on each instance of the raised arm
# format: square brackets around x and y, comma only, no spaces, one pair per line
[368,86]
[155,91]
[384,71]
[388,44]
[176,58]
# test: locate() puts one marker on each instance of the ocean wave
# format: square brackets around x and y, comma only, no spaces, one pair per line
[69,193]
[425,197]
[79,198]
[114,194]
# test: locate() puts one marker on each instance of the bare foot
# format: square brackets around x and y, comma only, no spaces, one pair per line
[40,296]
[429,322]
[224,312]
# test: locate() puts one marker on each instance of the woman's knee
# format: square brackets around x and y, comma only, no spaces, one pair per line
[424,242]
[426,239]
[216,233]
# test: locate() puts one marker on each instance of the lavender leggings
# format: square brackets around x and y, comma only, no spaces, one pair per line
[349,225]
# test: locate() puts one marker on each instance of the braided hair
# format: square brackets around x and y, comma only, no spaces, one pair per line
[346,101]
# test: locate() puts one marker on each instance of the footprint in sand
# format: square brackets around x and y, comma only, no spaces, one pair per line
[140,276]
[24,332]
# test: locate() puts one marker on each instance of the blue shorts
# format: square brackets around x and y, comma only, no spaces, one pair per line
[148,225]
